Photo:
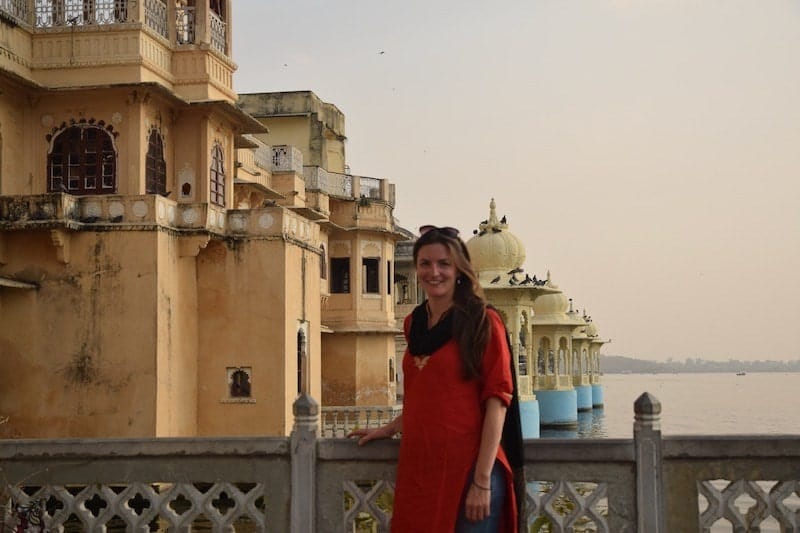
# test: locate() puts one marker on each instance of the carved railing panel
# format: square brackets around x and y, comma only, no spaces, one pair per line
[155,16]
[218,29]
[368,505]
[185,23]
[17,9]
[138,507]
[287,158]
[54,13]
[748,505]
[565,506]
[331,183]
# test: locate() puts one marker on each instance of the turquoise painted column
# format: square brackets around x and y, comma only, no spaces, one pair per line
[558,408]
[585,401]
[529,415]
[597,395]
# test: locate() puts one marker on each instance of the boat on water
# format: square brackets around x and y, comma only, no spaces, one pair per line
[741,373]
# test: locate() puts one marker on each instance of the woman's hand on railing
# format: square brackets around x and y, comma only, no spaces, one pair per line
[384,432]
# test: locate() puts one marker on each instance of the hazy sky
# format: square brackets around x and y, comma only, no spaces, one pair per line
[647,152]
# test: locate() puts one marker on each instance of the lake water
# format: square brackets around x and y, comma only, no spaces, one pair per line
[697,404]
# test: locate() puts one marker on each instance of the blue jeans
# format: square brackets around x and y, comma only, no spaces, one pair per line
[490,524]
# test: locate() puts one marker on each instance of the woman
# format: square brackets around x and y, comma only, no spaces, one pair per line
[452,474]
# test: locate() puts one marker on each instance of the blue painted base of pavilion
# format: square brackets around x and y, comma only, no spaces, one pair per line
[597,395]
[529,415]
[585,401]
[558,408]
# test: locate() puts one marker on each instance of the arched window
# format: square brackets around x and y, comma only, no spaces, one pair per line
[563,362]
[82,160]
[217,193]
[240,383]
[155,166]
[576,364]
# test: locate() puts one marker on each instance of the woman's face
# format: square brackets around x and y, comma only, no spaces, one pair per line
[436,271]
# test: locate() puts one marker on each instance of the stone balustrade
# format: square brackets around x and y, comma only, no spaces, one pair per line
[338,421]
[647,484]
[339,185]
[147,212]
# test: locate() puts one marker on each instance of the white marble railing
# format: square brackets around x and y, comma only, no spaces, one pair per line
[304,483]
[287,158]
[262,157]
[331,183]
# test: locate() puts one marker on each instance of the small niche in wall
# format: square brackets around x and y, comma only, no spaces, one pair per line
[239,385]
[186,182]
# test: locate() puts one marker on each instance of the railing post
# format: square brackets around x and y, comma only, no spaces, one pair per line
[647,443]
[304,458]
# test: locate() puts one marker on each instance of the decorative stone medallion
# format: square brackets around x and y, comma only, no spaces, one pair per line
[238,222]
[91,209]
[189,216]
[116,209]
[139,208]
[266,221]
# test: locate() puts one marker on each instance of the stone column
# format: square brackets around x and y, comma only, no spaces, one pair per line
[304,458]
[648,450]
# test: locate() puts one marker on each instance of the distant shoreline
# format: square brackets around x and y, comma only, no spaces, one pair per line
[628,373]
[617,364]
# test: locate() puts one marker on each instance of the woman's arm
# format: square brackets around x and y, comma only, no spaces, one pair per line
[479,492]
[384,432]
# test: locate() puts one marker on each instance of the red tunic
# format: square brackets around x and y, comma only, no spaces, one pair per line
[442,424]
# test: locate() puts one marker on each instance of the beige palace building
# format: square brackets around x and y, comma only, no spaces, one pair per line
[175,261]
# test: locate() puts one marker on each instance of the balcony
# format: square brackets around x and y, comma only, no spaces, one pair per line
[146,212]
[51,41]
[69,13]
[305,484]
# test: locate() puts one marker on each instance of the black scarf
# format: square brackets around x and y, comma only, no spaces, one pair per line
[424,341]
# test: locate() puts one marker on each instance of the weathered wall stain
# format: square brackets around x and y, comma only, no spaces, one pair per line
[82,369]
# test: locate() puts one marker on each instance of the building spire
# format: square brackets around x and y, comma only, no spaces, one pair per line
[492,223]
[492,213]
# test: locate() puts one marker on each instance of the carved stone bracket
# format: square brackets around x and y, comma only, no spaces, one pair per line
[191,246]
[61,240]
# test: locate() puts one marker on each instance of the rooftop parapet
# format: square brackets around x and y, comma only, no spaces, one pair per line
[293,103]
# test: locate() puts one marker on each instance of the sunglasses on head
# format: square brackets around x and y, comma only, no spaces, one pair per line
[447,231]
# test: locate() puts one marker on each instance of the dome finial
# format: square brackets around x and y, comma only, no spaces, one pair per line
[492,213]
